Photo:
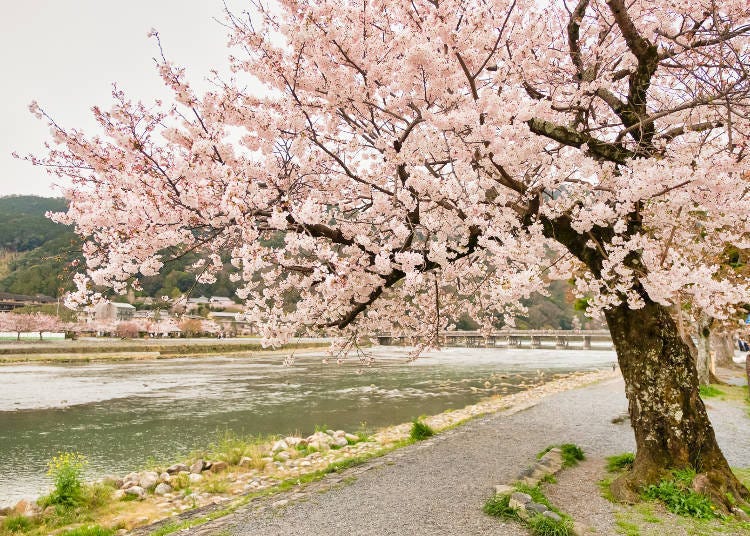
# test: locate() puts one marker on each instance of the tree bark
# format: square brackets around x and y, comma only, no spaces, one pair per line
[723,345]
[672,429]
[703,357]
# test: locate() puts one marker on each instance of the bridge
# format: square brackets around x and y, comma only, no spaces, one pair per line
[515,338]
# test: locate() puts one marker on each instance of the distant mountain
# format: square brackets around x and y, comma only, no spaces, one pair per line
[22,223]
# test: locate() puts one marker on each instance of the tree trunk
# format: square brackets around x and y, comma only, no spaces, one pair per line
[703,357]
[723,345]
[672,429]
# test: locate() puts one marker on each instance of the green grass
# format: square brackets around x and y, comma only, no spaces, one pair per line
[539,525]
[571,454]
[679,498]
[498,506]
[95,530]
[17,524]
[545,526]
[620,462]
[708,391]
[420,430]
[626,528]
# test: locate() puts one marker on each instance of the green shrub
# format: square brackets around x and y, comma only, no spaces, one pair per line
[707,391]
[97,495]
[17,523]
[499,506]
[677,496]
[571,454]
[620,462]
[544,526]
[420,430]
[66,470]
[95,530]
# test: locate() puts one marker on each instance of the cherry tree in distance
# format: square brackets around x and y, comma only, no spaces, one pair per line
[406,161]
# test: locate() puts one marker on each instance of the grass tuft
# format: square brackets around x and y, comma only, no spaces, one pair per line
[620,462]
[420,430]
[708,391]
[571,454]
[95,530]
[499,506]
[544,526]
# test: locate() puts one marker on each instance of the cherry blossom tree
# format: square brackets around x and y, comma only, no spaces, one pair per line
[404,161]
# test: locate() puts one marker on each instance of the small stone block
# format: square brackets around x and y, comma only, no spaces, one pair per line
[536,507]
[502,489]
[523,498]
[552,515]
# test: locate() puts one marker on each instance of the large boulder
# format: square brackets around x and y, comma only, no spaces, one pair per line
[176,468]
[217,467]
[279,446]
[136,491]
[148,479]
[163,489]
[198,467]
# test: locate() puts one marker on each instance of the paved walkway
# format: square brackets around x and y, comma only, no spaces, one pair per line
[438,486]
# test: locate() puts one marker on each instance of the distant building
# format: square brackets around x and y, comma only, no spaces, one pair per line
[9,301]
[114,311]
[221,301]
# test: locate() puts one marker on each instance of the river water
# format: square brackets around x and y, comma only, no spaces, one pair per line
[124,415]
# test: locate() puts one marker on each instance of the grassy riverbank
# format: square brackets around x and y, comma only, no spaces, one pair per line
[87,351]
[252,468]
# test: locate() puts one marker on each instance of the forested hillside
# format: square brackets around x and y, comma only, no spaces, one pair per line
[36,256]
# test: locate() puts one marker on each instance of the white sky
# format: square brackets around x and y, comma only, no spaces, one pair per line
[65,54]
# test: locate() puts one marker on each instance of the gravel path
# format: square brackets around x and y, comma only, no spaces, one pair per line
[438,486]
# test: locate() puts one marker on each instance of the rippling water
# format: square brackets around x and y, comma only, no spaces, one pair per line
[123,415]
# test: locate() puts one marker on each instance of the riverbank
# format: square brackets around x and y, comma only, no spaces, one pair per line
[288,467]
[95,350]
[438,486]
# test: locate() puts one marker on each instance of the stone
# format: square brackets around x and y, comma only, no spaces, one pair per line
[351,438]
[740,513]
[163,489]
[283,456]
[148,479]
[245,461]
[195,477]
[118,494]
[27,508]
[217,467]
[197,467]
[282,502]
[136,491]
[521,499]
[536,507]
[279,446]
[552,515]
[176,468]
[340,441]
[293,441]
[502,489]
[165,477]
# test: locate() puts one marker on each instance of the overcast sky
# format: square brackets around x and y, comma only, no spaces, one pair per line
[66,54]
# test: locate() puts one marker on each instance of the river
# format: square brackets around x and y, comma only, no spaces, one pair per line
[124,415]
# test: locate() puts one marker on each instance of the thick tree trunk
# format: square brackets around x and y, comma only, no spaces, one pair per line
[672,429]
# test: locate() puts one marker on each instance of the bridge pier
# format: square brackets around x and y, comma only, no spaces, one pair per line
[536,342]
[587,342]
